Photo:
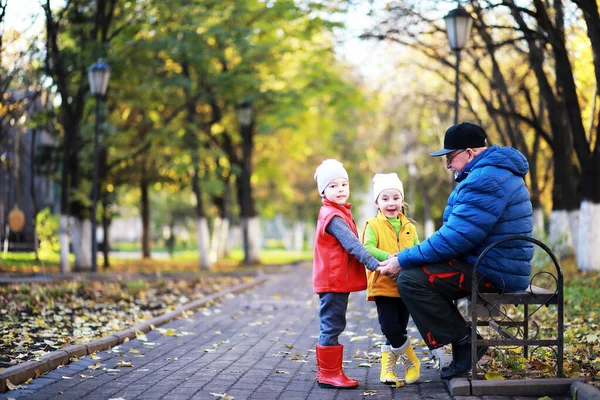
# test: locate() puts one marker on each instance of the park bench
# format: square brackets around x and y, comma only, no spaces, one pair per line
[514,328]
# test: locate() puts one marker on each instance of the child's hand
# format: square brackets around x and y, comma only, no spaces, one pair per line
[390,255]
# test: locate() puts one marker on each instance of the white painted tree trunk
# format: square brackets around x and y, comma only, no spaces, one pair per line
[203,242]
[588,250]
[574,227]
[298,236]
[538,223]
[82,244]
[63,239]
[213,255]
[429,228]
[561,240]
[254,240]
[223,249]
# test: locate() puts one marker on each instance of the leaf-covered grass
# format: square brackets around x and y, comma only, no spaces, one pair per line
[39,318]
[182,261]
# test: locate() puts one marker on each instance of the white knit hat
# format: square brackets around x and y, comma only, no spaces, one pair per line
[329,170]
[386,181]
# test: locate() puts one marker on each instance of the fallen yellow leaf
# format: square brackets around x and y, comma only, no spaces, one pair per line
[494,376]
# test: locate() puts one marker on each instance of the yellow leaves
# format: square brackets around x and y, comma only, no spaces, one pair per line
[123,363]
[217,128]
[493,376]
[40,323]
[139,335]
[224,396]
[289,346]
[168,332]
[541,365]
[94,356]
[10,386]
[95,366]
[357,338]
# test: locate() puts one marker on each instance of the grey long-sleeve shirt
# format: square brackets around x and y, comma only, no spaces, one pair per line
[340,230]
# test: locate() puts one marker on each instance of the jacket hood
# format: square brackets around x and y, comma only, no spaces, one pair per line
[501,157]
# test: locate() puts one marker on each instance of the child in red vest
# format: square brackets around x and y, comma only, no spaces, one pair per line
[338,269]
[384,235]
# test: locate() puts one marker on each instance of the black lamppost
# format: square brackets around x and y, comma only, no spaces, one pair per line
[98,74]
[458,28]
[245,118]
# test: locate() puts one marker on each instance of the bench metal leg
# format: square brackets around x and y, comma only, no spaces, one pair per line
[526,330]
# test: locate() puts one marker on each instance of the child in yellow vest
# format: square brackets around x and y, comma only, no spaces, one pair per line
[384,235]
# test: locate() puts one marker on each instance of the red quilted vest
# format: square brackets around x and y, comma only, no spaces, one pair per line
[334,269]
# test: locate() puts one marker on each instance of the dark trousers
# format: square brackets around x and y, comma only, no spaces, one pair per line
[429,293]
[393,319]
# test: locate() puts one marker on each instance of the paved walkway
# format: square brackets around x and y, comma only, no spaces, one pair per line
[256,345]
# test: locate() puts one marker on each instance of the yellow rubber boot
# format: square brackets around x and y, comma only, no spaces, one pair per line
[412,364]
[388,365]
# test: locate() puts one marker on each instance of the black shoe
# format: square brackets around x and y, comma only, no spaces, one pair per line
[462,360]
[481,350]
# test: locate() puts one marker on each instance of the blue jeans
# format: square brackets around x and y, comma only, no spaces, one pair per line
[332,317]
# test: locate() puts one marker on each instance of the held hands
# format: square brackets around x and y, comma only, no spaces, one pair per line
[390,267]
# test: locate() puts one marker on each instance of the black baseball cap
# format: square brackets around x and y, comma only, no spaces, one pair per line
[462,136]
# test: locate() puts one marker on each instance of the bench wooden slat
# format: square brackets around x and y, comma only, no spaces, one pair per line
[533,295]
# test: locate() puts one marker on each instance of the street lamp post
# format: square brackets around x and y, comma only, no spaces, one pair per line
[458,28]
[98,74]
[245,115]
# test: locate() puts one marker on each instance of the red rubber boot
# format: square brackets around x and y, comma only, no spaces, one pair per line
[331,374]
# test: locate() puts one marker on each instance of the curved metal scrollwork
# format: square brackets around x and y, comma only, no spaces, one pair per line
[508,319]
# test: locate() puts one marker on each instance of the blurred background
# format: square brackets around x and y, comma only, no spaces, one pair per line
[190,130]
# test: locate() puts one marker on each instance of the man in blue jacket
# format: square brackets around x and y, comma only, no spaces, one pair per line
[490,202]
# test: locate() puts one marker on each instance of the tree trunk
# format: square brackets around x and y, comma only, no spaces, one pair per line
[32,190]
[145,211]
[588,251]
[254,240]
[202,240]
[223,250]
[82,247]
[561,238]
[213,254]
[588,248]
[248,219]
[63,239]
[298,236]
[202,233]
[106,220]
[538,222]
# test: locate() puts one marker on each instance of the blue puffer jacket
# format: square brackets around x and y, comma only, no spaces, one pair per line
[490,202]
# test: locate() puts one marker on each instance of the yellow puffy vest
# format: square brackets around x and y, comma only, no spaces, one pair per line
[388,240]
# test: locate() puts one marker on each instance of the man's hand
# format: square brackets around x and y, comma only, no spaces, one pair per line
[390,268]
